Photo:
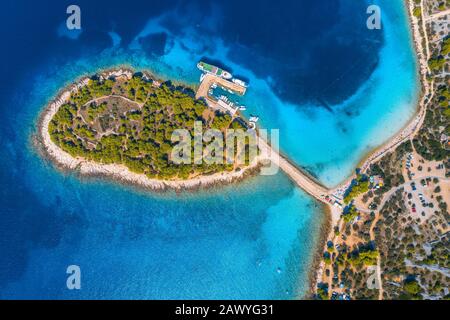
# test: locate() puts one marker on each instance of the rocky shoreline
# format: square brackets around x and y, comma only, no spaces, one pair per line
[120,173]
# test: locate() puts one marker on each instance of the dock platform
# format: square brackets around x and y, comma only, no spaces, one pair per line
[208,81]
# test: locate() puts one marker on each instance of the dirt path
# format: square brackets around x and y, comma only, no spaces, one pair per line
[372,238]
[114,96]
[437,15]
[389,194]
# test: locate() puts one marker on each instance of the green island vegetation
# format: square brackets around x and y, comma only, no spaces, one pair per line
[361,255]
[445,47]
[389,169]
[322,293]
[412,290]
[438,60]
[347,263]
[417,12]
[131,121]
[431,140]
[327,258]
[350,213]
[359,186]
[436,63]
[366,257]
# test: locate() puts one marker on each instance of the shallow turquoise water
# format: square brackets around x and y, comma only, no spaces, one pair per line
[223,243]
[331,143]
[228,242]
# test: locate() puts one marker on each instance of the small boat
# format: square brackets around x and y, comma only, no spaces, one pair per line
[223,98]
[240,82]
[254,119]
[242,108]
[209,68]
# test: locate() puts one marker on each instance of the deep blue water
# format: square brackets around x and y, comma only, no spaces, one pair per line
[332,87]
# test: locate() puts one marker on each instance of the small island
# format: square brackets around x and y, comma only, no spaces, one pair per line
[120,123]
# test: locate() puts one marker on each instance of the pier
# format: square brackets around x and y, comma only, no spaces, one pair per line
[301,178]
[209,79]
[297,175]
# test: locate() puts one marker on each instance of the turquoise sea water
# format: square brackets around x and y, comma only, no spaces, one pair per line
[330,143]
[251,240]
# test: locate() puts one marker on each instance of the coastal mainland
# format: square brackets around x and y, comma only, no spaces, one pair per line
[393,207]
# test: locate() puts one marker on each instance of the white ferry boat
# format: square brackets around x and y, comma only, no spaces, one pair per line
[209,68]
[240,82]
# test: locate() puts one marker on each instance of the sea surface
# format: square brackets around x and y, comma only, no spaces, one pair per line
[333,88]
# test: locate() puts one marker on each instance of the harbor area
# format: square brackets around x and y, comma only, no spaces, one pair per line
[210,80]
[217,87]
[216,79]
